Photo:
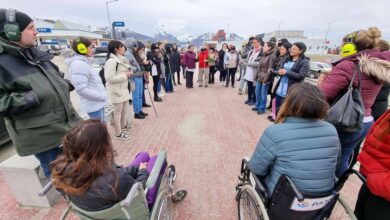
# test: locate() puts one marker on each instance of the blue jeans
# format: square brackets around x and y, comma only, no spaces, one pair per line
[349,141]
[46,157]
[99,114]
[261,96]
[137,95]
[168,82]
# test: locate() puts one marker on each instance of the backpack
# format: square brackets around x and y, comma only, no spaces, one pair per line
[101,74]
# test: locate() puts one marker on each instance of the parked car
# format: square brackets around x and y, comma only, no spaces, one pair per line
[52,49]
[99,60]
[316,68]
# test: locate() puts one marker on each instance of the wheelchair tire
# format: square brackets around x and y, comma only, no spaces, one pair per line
[179,195]
[162,209]
[250,205]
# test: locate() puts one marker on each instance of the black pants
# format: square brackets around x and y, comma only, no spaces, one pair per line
[156,79]
[189,79]
[178,76]
[222,75]
[213,70]
[251,92]
[371,207]
[143,96]
[184,71]
[231,74]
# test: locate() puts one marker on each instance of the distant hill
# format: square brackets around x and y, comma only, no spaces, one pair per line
[162,35]
[203,37]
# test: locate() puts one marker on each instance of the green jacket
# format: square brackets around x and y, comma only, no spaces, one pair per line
[34,99]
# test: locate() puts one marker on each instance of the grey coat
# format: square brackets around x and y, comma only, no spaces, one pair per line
[306,150]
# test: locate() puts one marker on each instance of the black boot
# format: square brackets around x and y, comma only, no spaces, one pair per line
[145,105]
[139,116]
[143,113]
[157,99]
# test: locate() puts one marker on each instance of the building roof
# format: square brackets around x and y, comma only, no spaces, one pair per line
[67,25]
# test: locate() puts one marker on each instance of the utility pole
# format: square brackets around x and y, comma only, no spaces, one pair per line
[326,36]
[108,15]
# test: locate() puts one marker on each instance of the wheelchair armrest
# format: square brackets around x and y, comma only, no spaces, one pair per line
[262,188]
[45,189]
[297,193]
[131,195]
[340,182]
[153,177]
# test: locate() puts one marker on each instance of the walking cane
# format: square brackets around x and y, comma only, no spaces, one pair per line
[150,96]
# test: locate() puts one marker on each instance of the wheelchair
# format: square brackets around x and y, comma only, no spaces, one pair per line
[135,206]
[286,201]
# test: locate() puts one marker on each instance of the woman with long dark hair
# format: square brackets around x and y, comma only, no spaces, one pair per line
[87,173]
[221,63]
[294,70]
[117,72]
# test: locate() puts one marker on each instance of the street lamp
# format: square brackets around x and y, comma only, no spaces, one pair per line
[326,35]
[108,14]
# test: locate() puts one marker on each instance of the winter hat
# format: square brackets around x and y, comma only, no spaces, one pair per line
[21,19]
[301,46]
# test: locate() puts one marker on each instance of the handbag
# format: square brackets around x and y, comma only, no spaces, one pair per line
[347,112]
[132,85]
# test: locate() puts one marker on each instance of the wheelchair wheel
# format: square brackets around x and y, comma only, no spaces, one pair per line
[163,207]
[179,195]
[250,205]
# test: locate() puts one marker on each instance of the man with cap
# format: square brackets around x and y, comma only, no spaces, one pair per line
[34,97]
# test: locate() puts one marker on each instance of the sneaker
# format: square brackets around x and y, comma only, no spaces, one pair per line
[143,113]
[239,91]
[199,85]
[122,136]
[270,118]
[255,109]
[157,99]
[161,94]
[127,127]
[179,83]
[247,102]
[260,112]
[139,116]
[206,86]
[146,105]
[251,103]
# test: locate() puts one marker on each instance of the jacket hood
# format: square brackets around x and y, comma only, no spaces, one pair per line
[375,67]
[70,56]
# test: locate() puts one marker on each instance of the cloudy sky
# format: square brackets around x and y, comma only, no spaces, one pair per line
[244,17]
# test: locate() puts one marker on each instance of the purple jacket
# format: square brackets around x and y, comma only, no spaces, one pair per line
[375,66]
[190,60]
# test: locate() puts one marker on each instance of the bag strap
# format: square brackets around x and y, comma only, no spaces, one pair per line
[356,69]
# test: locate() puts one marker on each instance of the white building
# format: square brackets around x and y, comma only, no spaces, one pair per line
[314,46]
[61,32]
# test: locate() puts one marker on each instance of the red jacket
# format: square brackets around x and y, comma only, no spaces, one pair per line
[203,59]
[374,74]
[375,157]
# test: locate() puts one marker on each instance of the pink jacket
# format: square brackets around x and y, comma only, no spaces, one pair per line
[375,66]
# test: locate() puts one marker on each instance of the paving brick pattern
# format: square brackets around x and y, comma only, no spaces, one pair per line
[206,132]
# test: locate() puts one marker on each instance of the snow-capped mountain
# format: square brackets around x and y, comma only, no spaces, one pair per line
[162,35]
[185,38]
[234,37]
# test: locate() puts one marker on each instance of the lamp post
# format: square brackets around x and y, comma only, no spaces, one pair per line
[326,35]
[108,15]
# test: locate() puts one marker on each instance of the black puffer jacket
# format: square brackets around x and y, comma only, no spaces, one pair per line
[100,195]
[381,102]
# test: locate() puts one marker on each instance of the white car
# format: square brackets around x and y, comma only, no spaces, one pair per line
[316,68]
[99,60]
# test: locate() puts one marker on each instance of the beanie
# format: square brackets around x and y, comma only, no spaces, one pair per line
[21,19]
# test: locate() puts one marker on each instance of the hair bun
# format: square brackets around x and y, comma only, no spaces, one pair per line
[374,33]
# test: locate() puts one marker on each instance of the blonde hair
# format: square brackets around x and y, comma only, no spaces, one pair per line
[365,39]
[383,45]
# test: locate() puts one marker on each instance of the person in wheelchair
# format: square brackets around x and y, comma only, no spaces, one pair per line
[300,145]
[86,171]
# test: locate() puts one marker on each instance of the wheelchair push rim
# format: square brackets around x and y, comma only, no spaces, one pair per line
[250,205]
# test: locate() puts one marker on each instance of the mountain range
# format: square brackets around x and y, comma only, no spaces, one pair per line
[183,39]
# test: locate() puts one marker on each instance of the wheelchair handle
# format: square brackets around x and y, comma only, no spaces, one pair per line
[131,195]
[295,189]
[45,189]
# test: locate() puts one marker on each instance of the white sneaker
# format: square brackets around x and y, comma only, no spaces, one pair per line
[161,94]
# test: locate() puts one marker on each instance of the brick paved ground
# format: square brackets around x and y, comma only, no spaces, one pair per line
[206,132]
